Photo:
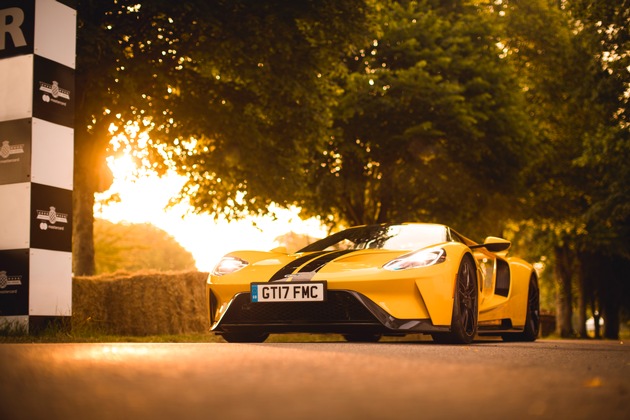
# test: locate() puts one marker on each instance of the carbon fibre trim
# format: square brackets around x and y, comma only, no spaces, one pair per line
[318,263]
[294,265]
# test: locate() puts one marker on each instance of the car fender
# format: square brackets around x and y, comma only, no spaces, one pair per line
[521,273]
[438,292]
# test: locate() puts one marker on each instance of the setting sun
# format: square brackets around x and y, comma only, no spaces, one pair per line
[144,199]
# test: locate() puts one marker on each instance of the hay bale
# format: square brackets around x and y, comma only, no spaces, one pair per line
[145,303]
[89,310]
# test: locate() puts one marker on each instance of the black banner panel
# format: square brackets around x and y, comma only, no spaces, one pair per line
[14,284]
[53,92]
[51,218]
[15,151]
[17,27]
[70,3]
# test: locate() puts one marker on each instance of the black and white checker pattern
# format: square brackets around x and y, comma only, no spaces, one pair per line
[37,62]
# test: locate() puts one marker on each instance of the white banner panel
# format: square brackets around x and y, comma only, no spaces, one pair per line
[55,32]
[16,87]
[50,289]
[52,154]
[15,216]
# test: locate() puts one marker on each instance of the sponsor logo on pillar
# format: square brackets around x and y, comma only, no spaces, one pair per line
[7,150]
[15,151]
[53,98]
[59,95]
[51,223]
[52,217]
[9,281]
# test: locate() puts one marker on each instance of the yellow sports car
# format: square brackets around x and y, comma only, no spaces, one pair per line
[369,281]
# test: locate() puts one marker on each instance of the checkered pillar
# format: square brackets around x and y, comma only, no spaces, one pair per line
[37,62]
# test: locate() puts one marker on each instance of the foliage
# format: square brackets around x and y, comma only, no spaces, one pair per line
[136,247]
[220,87]
[429,127]
[577,98]
[606,150]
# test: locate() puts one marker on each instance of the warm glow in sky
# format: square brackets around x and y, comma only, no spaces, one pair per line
[144,200]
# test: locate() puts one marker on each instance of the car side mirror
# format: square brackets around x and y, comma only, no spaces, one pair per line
[495,244]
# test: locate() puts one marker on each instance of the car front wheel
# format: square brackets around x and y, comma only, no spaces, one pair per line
[465,306]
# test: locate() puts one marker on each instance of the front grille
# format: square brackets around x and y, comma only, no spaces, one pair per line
[340,307]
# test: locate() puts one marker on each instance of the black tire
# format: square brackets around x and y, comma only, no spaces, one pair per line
[532,320]
[244,337]
[465,306]
[362,338]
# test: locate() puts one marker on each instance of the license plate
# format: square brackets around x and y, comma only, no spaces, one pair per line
[289,292]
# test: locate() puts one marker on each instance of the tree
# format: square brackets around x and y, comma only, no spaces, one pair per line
[540,41]
[221,87]
[135,247]
[577,109]
[429,126]
[606,152]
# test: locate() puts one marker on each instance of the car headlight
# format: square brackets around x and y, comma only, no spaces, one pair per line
[228,265]
[422,258]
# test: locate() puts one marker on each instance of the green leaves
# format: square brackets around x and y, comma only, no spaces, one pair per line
[249,81]
[429,103]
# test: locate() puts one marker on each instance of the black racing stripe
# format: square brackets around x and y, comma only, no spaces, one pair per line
[293,265]
[318,263]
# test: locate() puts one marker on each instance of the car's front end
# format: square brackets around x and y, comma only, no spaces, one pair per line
[370,291]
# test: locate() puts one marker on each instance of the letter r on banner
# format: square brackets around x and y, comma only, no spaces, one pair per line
[11,21]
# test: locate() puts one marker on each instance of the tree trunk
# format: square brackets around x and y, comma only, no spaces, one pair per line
[564,296]
[611,290]
[611,322]
[596,318]
[91,175]
[582,301]
[587,268]
[83,263]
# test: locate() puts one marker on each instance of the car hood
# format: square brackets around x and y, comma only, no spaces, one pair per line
[272,266]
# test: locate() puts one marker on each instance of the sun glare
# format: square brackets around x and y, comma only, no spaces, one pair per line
[144,199]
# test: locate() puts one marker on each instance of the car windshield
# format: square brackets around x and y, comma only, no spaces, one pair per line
[393,237]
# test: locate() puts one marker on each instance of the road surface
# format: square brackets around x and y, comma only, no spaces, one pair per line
[333,380]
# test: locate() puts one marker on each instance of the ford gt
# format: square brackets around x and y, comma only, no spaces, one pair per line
[371,281]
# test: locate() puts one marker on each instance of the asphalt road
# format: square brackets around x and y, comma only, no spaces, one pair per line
[406,380]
